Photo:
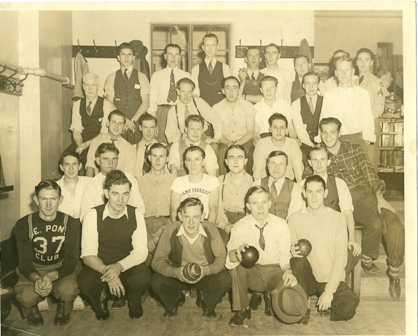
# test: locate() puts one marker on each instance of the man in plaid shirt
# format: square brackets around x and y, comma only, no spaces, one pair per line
[349,162]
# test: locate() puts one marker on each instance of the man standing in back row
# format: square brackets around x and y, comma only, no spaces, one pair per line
[208,74]
[163,94]
[128,90]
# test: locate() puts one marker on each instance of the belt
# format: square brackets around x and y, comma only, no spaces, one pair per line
[166,105]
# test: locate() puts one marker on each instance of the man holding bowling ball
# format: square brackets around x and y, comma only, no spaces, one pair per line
[321,272]
[191,240]
[269,234]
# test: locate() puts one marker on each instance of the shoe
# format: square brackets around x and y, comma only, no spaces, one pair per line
[201,303]
[209,312]
[239,317]
[370,270]
[173,311]
[267,301]
[118,302]
[324,313]
[255,301]
[305,319]
[136,314]
[61,319]
[199,300]
[103,313]
[394,288]
[35,317]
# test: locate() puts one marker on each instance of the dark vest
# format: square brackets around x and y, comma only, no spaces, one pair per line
[127,98]
[182,148]
[210,84]
[175,256]
[280,205]
[311,120]
[92,124]
[332,200]
[115,235]
[297,90]
[252,87]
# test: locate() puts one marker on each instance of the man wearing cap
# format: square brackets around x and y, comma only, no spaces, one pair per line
[270,236]
[322,271]
[163,93]
[89,116]
[128,89]
[374,87]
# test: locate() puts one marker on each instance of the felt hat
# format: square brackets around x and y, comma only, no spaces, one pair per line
[344,303]
[289,303]
[140,49]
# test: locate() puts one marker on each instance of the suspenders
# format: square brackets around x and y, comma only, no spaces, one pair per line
[31,225]
[177,116]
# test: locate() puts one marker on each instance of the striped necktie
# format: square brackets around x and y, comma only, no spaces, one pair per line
[261,240]
[210,67]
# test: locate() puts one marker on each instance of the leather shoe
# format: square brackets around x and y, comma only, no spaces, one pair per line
[394,288]
[305,319]
[35,317]
[200,302]
[267,301]
[103,313]
[239,317]
[118,302]
[173,311]
[255,301]
[371,270]
[136,314]
[61,319]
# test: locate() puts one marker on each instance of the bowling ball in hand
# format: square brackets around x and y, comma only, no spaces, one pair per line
[192,271]
[249,257]
[305,247]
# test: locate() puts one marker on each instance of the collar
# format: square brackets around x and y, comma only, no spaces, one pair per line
[188,142]
[249,73]
[314,98]
[93,102]
[265,223]
[182,233]
[130,68]
[107,214]
[271,180]
[213,62]
[168,69]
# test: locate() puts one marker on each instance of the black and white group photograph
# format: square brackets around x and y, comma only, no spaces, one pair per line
[208,168]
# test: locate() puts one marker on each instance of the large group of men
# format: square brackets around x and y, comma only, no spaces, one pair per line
[195,168]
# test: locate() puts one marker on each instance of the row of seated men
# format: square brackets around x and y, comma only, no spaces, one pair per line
[144,232]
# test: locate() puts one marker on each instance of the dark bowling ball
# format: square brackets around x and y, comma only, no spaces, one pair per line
[192,271]
[305,247]
[249,257]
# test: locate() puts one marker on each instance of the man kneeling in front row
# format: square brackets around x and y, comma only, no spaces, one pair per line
[114,249]
[193,240]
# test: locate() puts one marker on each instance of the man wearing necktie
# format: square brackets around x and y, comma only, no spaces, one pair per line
[270,235]
[306,113]
[374,87]
[251,77]
[89,117]
[163,93]
[129,90]
[208,74]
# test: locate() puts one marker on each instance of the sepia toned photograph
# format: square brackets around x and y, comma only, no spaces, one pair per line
[208,168]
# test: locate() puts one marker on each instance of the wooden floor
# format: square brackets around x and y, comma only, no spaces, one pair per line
[377,314]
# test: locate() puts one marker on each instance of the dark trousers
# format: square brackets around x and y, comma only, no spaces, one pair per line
[351,262]
[136,281]
[161,115]
[260,278]
[376,226]
[213,287]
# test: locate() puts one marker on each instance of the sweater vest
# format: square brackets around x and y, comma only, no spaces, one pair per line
[252,87]
[332,200]
[176,253]
[280,205]
[193,253]
[311,120]
[127,97]
[210,83]
[115,235]
[92,124]
[182,148]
